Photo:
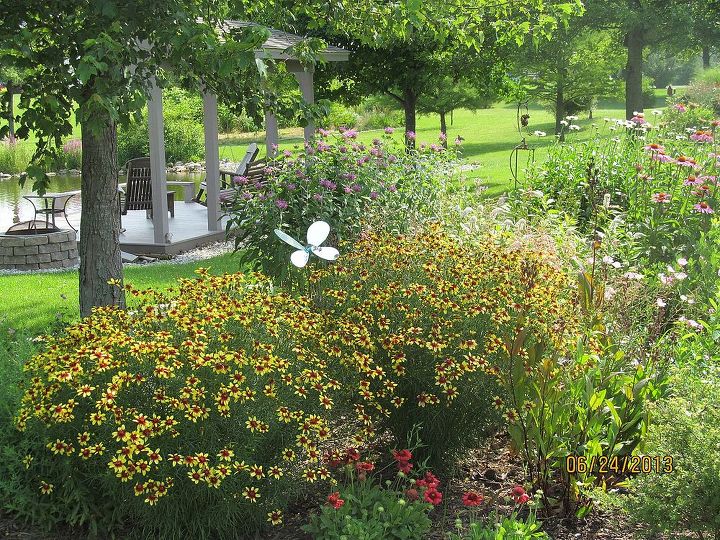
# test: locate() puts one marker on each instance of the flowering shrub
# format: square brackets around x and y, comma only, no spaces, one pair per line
[338,180]
[442,318]
[199,414]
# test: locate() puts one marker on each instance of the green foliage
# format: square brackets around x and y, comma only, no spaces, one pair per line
[341,116]
[508,528]
[14,157]
[685,427]
[341,182]
[371,513]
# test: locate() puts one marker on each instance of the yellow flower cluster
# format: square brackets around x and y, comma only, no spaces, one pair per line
[228,385]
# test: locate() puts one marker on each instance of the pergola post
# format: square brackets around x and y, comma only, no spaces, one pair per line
[212,160]
[304,76]
[157,165]
[271,133]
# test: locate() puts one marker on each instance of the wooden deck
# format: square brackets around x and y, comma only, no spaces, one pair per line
[187,230]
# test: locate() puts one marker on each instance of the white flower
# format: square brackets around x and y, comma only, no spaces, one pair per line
[574,127]
[633,275]
[680,276]
[617,264]
[607,259]
[660,302]
[609,292]
[682,261]
[564,122]
[571,117]
[540,134]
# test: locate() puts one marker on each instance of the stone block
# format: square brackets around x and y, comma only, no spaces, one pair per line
[50,265]
[25,250]
[27,267]
[5,250]
[67,263]
[72,253]
[49,248]
[59,255]
[36,240]
[69,244]
[41,258]
[9,241]
[12,259]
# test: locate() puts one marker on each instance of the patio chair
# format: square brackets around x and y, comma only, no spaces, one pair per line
[255,173]
[138,190]
[226,177]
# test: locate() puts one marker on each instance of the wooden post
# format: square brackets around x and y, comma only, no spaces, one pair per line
[212,160]
[157,166]
[271,134]
[304,76]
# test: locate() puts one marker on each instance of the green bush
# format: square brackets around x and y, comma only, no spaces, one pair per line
[184,140]
[340,116]
[686,427]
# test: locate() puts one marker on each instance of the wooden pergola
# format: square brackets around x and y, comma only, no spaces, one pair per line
[276,47]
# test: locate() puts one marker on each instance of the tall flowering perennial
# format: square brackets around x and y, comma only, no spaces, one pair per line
[342,181]
[441,318]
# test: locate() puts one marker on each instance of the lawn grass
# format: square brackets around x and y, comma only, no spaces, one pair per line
[36,302]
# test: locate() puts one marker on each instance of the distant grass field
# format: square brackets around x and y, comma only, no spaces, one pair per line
[489,137]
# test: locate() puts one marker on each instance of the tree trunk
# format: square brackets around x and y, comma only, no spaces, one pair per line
[409,103]
[11,111]
[100,258]
[560,110]
[443,128]
[635,43]
[706,57]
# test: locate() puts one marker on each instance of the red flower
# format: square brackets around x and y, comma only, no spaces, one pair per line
[405,466]
[403,456]
[472,498]
[432,481]
[519,495]
[335,501]
[353,454]
[412,494]
[364,466]
[433,496]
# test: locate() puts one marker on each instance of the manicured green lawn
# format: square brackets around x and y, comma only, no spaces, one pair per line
[490,136]
[33,302]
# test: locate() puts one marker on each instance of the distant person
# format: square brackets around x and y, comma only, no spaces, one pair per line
[670,90]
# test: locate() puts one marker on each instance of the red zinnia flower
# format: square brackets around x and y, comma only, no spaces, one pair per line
[364,466]
[433,496]
[472,498]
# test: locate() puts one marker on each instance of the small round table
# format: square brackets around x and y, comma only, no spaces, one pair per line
[53,204]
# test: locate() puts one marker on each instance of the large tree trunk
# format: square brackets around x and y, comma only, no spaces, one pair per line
[443,128]
[706,57]
[409,103]
[635,43]
[100,258]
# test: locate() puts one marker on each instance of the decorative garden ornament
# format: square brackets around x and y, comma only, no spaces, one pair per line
[317,233]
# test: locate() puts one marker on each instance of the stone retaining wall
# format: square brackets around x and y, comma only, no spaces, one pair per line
[38,251]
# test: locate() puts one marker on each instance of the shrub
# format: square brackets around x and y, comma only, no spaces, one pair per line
[183,141]
[173,418]
[443,316]
[341,116]
[340,181]
[685,428]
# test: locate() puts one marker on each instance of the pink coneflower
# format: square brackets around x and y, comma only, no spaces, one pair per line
[693,180]
[679,107]
[662,157]
[661,197]
[708,179]
[703,208]
[639,119]
[654,147]
[702,191]
[685,161]
[702,136]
